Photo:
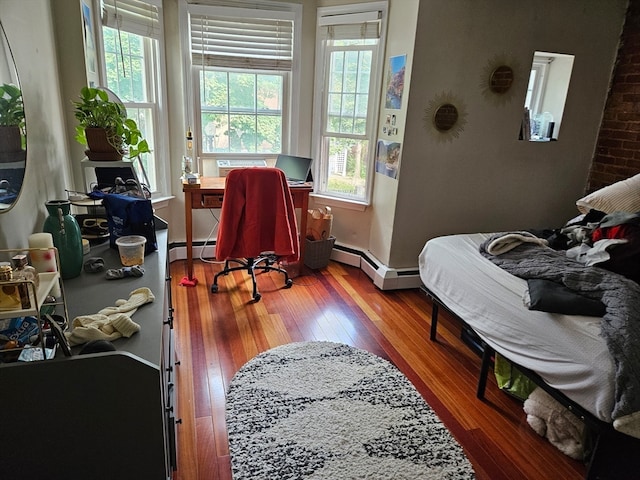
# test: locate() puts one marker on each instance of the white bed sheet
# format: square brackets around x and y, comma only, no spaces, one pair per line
[567,351]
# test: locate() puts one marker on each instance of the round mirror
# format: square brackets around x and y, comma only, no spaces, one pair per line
[445,117]
[501,79]
[13,151]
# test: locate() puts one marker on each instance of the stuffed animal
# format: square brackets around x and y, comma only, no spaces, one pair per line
[551,420]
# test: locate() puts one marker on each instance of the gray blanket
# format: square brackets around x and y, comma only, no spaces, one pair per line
[620,325]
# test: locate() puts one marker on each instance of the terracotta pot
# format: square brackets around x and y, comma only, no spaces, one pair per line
[11,145]
[99,147]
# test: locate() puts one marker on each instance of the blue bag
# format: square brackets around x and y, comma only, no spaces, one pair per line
[127,215]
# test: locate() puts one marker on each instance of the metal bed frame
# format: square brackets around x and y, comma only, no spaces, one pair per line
[613,455]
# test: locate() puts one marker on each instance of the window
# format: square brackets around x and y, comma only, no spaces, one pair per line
[131,40]
[348,75]
[546,94]
[242,71]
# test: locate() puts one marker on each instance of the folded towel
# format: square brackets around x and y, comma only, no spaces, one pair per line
[508,241]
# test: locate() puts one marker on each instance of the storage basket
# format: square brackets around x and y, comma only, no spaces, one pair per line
[318,252]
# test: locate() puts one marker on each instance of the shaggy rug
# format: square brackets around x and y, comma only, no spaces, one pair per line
[323,410]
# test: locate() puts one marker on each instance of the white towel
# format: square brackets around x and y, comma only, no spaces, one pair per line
[509,241]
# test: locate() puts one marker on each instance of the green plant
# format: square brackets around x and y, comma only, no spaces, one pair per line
[96,110]
[11,107]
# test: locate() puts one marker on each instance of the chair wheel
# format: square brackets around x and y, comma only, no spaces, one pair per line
[289,283]
[214,288]
[257,297]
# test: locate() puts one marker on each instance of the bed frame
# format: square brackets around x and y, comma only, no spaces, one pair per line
[613,455]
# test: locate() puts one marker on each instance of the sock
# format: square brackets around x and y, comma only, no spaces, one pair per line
[93,264]
[116,273]
[138,297]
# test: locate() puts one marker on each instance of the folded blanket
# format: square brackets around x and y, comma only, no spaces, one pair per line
[503,243]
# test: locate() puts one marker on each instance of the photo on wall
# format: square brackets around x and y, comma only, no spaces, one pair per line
[388,158]
[395,82]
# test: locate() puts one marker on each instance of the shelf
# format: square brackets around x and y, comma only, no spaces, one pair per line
[47,281]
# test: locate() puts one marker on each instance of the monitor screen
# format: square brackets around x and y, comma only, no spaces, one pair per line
[296,169]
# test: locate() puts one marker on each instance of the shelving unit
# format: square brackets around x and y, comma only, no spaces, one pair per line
[93,171]
[39,296]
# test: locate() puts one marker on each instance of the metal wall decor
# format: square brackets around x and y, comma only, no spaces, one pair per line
[500,79]
[445,117]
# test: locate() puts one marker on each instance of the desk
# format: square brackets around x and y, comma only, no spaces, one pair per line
[209,194]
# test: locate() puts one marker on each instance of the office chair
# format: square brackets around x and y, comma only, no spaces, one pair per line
[257,224]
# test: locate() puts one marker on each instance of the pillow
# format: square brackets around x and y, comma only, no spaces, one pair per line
[552,297]
[621,196]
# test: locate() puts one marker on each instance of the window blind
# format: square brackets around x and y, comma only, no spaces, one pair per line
[258,42]
[364,25]
[133,16]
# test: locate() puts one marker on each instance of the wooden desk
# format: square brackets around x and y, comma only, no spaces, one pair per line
[209,194]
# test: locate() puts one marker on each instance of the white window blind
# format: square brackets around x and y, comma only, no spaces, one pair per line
[259,42]
[365,25]
[134,16]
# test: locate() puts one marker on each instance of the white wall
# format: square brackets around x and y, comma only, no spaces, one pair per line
[28,24]
[487,180]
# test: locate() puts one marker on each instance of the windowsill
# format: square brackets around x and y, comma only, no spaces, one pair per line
[340,202]
[161,202]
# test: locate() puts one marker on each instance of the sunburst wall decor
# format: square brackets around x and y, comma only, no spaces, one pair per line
[500,80]
[445,117]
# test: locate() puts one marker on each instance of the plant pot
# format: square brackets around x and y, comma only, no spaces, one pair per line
[10,144]
[100,149]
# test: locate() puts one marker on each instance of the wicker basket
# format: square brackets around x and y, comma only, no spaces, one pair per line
[318,252]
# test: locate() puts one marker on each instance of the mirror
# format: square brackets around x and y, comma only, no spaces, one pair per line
[445,117]
[13,151]
[501,79]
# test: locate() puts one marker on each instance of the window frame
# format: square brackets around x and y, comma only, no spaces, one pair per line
[291,83]
[320,136]
[155,81]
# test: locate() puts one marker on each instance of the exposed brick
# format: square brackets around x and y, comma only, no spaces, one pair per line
[617,152]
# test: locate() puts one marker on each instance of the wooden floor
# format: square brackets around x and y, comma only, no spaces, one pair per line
[217,333]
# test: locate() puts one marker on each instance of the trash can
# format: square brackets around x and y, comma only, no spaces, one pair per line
[318,252]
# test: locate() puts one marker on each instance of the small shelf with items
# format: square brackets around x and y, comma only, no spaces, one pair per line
[30,329]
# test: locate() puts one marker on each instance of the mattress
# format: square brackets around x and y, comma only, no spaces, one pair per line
[567,351]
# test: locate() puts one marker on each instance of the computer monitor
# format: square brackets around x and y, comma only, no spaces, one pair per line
[296,169]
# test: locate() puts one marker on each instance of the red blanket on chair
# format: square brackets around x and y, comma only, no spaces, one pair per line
[257,216]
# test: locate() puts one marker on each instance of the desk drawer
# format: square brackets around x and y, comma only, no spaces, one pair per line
[212,201]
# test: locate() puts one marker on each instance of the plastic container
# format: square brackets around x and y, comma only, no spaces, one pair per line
[131,249]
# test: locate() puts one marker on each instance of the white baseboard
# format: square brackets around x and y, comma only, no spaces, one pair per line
[383,277]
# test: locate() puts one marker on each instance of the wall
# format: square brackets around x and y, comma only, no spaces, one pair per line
[486,179]
[29,28]
[618,149]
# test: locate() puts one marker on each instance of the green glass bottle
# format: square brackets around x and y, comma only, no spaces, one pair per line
[67,238]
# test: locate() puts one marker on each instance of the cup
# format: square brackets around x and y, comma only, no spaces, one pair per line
[131,249]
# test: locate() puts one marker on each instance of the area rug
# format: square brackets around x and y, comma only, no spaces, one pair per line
[324,410]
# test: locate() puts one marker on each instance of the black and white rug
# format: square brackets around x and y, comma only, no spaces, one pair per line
[323,410]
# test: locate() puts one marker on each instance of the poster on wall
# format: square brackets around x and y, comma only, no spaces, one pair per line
[89,45]
[395,82]
[388,158]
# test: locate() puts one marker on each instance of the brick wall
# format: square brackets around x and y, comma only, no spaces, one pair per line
[617,154]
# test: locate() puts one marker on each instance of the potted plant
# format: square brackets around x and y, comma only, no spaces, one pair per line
[104,127]
[11,123]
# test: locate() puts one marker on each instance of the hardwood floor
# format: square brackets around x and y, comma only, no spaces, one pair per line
[217,333]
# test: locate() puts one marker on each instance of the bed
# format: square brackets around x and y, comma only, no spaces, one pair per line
[565,354]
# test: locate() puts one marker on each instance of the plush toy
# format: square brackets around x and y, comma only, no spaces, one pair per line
[551,420]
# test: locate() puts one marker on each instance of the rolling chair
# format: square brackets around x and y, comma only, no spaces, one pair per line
[257,224]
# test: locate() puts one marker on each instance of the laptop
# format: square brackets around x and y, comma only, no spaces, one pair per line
[296,169]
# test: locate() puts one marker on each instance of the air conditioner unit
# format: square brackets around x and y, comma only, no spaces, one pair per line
[225,166]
